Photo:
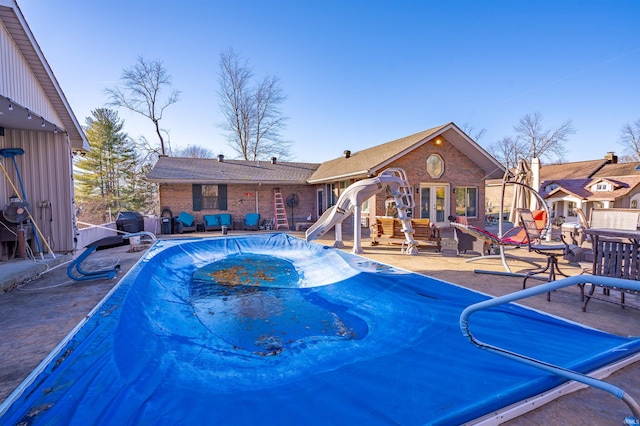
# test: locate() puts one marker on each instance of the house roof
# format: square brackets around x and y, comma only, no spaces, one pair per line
[581,188]
[369,162]
[575,170]
[17,27]
[213,171]
[618,169]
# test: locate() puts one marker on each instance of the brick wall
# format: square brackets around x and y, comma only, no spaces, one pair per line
[459,171]
[241,199]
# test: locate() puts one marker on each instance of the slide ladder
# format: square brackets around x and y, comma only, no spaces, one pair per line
[394,183]
[279,213]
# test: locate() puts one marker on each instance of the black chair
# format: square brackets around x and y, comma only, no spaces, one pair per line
[551,250]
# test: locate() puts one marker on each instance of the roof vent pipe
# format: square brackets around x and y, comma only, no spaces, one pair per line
[220,158]
[347,153]
[273,160]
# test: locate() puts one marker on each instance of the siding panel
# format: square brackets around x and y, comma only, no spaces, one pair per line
[45,169]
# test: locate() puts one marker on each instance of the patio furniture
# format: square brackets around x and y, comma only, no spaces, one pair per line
[486,242]
[551,250]
[389,229]
[616,254]
[251,221]
[186,222]
[215,222]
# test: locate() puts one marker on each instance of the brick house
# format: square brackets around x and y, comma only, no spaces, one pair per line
[203,186]
[444,165]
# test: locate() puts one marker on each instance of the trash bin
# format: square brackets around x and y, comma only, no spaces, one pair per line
[224,229]
[166,225]
[166,217]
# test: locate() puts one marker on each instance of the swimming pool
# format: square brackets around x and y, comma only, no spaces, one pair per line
[270,329]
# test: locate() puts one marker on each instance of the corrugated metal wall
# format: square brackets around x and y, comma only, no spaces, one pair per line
[19,83]
[45,168]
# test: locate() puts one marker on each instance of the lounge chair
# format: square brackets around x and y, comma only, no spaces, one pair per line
[514,238]
[252,221]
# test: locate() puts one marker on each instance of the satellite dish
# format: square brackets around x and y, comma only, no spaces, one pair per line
[16,211]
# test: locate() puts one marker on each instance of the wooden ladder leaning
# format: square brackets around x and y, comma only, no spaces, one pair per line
[280,213]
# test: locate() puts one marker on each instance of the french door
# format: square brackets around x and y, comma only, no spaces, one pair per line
[434,203]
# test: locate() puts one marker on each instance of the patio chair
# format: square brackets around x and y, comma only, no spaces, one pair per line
[551,250]
[186,222]
[252,221]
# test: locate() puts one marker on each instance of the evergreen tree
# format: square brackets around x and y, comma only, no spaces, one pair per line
[106,176]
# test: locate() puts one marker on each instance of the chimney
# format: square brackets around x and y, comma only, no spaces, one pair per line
[273,160]
[220,158]
[347,153]
[611,158]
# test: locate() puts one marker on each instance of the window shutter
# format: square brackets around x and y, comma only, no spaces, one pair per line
[197,197]
[222,197]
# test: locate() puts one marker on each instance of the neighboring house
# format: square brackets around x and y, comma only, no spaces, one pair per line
[36,117]
[584,185]
[444,165]
[590,184]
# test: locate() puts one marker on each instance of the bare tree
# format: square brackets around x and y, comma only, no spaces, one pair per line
[539,142]
[194,151]
[253,120]
[471,131]
[139,89]
[507,151]
[630,140]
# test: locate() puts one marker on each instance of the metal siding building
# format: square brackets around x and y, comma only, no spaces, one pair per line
[35,116]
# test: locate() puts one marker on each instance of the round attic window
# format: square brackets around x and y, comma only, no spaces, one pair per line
[435,166]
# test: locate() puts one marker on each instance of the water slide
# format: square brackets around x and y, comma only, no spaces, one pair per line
[394,182]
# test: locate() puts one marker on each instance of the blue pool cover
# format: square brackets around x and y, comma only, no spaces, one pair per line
[269,329]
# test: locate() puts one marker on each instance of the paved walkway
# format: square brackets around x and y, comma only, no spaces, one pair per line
[36,316]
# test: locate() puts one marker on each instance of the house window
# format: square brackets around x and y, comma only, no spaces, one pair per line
[390,208]
[209,197]
[467,201]
[435,166]
[602,186]
[365,206]
[571,209]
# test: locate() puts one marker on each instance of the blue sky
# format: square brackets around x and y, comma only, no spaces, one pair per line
[361,73]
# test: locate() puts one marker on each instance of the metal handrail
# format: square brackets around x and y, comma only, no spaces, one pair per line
[569,374]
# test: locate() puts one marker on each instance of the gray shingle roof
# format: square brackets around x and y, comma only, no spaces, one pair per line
[372,160]
[360,163]
[208,170]
[575,170]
